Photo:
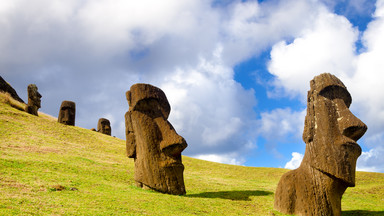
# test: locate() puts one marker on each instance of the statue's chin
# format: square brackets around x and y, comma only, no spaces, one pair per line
[343,172]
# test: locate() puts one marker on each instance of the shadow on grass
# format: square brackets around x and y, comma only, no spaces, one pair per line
[232,195]
[361,212]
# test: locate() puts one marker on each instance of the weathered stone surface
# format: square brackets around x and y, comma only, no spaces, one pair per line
[104,126]
[153,142]
[34,100]
[6,87]
[67,113]
[329,163]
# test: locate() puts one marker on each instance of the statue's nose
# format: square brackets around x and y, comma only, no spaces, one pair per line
[172,143]
[350,125]
[66,115]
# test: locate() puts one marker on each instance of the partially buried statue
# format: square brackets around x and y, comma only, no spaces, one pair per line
[34,100]
[328,167]
[67,113]
[153,142]
[104,126]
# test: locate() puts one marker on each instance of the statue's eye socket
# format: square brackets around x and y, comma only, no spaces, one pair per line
[150,107]
[336,92]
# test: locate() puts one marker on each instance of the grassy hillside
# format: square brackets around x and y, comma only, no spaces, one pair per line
[47,168]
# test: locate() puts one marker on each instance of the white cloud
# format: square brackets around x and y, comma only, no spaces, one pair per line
[226,158]
[295,161]
[371,161]
[277,124]
[253,27]
[328,46]
[211,110]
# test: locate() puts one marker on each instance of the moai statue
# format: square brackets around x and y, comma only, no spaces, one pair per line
[104,126]
[67,113]
[6,87]
[34,100]
[329,163]
[153,142]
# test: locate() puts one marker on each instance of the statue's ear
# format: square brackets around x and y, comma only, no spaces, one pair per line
[309,123]
[128,96]
[130,136]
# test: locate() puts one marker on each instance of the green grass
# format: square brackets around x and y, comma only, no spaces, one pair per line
[47,168]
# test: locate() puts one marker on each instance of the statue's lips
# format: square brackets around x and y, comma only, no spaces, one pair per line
[175,165]
[353,145]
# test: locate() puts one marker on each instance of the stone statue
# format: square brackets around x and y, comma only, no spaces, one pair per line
[6,87]
[34,100]
[104,126]
[329,163]
[67,113]
[153,142]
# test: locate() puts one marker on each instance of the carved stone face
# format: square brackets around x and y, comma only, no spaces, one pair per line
[67,113]
[34,97]
[153,142]
[104,126]
[34,100]
[331,130]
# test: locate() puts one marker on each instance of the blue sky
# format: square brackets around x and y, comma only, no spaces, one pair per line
[236,73]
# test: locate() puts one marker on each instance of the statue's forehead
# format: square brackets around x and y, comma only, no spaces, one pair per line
[67,106]
[68,103]
[329,85]
[325,80]
[146,92]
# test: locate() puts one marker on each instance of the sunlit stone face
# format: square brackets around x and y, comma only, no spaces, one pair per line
[331,130]
[67,113]
[329,163]
[153,142]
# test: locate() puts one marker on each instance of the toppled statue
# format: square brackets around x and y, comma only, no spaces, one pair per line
[67,113]
[153,142]
[6,87]
[329,163]
[34,100]
[104,126]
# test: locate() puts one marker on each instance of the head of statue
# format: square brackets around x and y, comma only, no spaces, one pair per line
[331,130]
[104,126]
[67,113]
[34,97]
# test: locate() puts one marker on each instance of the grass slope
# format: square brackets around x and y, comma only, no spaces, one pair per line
[47,168]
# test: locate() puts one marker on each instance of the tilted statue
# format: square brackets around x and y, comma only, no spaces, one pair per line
[6,87]
[329,163]
[34,100]
[153,142]
[104,126]
[67,113]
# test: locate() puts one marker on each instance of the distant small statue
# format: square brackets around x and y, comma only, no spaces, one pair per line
[34,100]
[153,142]
[104,126]
[67,113]
[329,163]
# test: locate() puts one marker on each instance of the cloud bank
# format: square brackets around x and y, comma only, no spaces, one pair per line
[92,51]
